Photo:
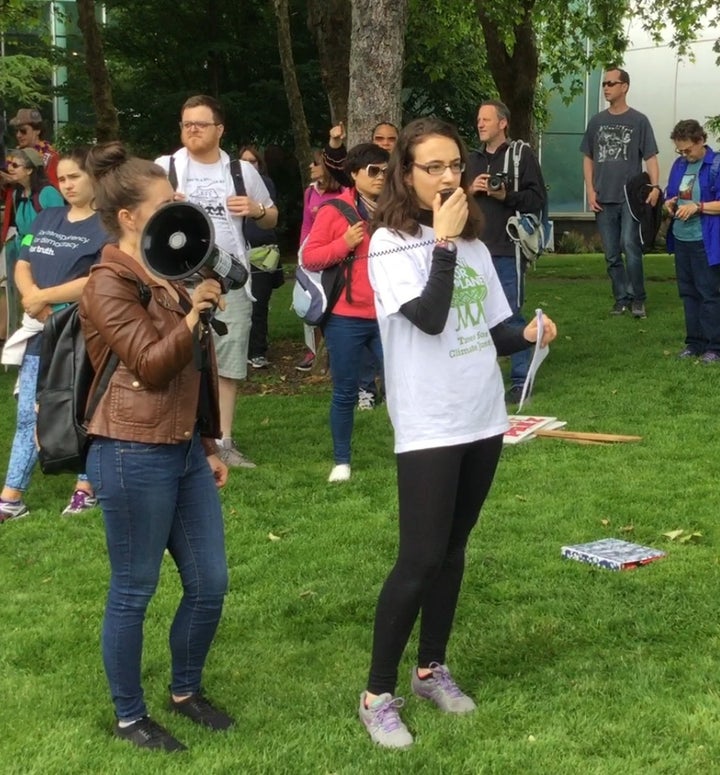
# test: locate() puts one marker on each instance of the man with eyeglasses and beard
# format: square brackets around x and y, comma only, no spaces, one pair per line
[616,142]
[492,172]
[200,172]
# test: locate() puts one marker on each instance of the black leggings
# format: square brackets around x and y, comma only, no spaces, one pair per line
[441,492]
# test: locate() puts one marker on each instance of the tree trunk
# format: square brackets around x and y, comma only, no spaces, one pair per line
[377,54]
[515,72]
[106,118]
[303,152]
[329,22]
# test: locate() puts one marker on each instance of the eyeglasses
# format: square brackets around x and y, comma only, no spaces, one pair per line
[13,165]
[607,84]
[202,125]
[373,170]
[684,151]
[22,130]
[437,168]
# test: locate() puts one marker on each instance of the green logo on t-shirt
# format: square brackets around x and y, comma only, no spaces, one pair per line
[468,296]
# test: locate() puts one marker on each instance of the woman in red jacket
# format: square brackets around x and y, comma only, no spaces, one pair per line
[352,325]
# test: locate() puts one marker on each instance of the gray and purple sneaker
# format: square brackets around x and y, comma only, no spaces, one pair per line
[383,722]
[442,690]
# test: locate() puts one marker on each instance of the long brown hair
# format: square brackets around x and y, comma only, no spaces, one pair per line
[397,207]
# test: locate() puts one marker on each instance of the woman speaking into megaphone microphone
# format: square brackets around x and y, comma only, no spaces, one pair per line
[152,456]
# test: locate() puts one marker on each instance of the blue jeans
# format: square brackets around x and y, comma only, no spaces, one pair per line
[346,338]
[23,454]
[699,289]
[620,233]
[514,287]
[153,497]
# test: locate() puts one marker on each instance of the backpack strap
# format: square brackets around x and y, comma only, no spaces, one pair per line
[145,294]
[352,217]
[172,174]
[35,199]
[517,149]
[237,176]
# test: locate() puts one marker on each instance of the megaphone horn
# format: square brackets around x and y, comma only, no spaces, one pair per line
[178,241]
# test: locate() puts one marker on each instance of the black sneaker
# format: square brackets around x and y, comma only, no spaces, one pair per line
[146,733]
[514,395]
[198,709]
[638,310]
[619,308]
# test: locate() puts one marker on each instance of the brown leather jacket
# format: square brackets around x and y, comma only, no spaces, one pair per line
[154,394]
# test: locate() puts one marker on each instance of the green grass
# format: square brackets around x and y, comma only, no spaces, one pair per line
[574,669]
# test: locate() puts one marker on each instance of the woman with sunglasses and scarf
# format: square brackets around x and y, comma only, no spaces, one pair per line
[28,192]
[352,324]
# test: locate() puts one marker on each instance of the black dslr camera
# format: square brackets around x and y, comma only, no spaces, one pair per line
[497,180]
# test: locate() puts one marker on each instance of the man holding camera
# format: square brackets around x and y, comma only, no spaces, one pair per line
[201,172]
[492,172]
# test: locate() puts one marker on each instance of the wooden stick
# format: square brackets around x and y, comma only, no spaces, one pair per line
[583,436]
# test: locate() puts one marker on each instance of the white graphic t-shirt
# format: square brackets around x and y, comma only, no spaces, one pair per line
[443,389]
[206,188]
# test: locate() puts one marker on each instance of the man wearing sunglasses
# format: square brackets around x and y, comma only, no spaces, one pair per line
[28,128]
[616,142]
[492,176]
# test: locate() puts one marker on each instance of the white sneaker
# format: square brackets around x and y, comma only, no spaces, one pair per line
[340,473]
[231,455]
[366,400]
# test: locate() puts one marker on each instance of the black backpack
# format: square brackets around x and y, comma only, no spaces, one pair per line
[65,376]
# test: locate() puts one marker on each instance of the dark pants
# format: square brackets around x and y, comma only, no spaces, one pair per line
[441,492]
[262,288]
[153,497]
[699,289]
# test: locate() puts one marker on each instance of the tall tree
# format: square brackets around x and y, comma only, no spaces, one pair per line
[563,39]
[292,89]
[329,21]
[106,116]
[377,52]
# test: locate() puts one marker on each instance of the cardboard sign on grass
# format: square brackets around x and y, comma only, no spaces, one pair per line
[612,553]
[523,427]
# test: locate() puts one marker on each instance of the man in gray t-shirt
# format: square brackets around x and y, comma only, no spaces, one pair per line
[616,142]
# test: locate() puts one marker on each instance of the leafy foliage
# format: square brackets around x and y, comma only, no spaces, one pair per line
[24,79]
[445,68]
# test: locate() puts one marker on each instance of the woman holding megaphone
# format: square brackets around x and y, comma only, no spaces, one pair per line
[152,456]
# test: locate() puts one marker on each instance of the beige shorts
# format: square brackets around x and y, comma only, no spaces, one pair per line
[232,349]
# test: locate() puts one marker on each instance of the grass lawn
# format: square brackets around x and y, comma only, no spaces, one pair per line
[574,669]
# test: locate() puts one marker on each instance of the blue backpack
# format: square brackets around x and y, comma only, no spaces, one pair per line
[316,293]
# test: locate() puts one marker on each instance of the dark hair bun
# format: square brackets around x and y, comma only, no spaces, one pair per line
[105,158]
